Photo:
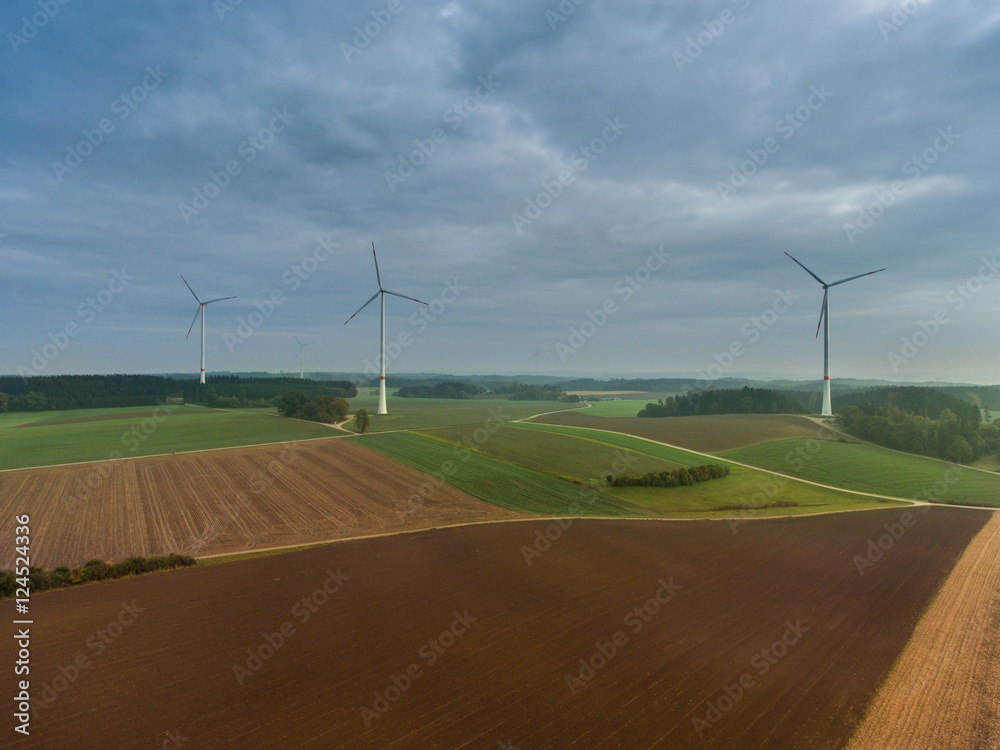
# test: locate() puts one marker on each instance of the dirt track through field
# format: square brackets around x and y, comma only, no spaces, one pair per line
[944,692]
[225,501]
[449,639]
[708,433]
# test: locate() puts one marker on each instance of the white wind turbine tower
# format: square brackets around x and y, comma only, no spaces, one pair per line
[381,293]
[536,356]
[302,374]
[201,311]
[824,320]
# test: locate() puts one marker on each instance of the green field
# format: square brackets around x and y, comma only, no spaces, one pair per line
[869,468]
[411,413]
[521,476]
[493,480]
[743,487]
[571,457]
[624,408]
[96,434]
[677,456]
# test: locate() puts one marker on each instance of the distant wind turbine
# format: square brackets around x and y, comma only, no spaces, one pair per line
[381,293]
[536,356]
[302,346]
[824,320]
[201,311]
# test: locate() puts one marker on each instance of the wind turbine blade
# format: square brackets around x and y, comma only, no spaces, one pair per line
[852,278]
[189,288]
[297,340]
[809,272]
[370,300]
[377,274]
[218,299]
[822,311]
[397,294]
[193,321]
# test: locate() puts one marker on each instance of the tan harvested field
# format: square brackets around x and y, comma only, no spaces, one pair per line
[944,692]
[709,433]
[224,501]
[769,638]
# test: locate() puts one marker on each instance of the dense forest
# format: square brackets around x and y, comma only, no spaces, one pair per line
[107,391]
[296,404]
[745,400]
[519,391]
[447,389]
[926,421]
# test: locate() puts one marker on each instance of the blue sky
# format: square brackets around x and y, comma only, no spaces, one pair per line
[613,182]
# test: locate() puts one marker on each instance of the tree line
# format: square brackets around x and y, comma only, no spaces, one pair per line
[61,392]
[680,477]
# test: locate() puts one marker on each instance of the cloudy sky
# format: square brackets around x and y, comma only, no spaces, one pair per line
[614,183]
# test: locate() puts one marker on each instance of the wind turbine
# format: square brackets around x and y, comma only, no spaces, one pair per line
[824,320]
[536,356]
[201,311]
[302,346]
[381,293]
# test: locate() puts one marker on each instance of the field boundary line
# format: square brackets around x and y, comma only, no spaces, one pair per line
[527,519]
[896,450]
[944,688]
[769,471]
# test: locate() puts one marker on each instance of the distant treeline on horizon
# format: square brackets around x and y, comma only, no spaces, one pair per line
[42,393]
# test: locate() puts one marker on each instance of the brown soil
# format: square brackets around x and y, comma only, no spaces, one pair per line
[224,501]
[503,681]
[944,692]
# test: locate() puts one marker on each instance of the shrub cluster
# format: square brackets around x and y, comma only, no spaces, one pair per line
[681,477]
[93,570]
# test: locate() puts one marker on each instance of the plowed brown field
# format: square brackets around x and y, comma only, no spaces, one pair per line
[769,638]
[944,692]
[223,501]
[709,433]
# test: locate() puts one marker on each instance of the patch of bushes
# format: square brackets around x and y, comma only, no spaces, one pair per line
[680,477]
[748,506]
[93,570]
